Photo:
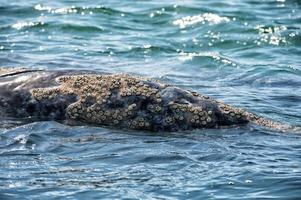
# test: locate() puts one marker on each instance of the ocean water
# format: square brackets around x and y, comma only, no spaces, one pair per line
[244,52]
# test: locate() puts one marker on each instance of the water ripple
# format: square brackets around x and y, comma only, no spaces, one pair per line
[246,53]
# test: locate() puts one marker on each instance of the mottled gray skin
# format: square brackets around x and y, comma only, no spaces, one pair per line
[198,111]
[16,100]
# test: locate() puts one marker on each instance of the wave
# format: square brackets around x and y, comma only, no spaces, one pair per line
[202,18]
[183,56]
[76,9]
[267,76]
[54,25]
[144,49]
[17,11]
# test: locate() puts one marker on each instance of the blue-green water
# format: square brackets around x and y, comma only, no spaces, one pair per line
[245,52]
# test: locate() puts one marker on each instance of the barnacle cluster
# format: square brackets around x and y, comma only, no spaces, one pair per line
[131,102]
[195,115]
[234,115]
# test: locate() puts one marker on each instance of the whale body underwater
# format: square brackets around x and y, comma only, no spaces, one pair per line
[116,100]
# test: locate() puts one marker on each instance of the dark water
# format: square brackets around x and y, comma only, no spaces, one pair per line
[245,52]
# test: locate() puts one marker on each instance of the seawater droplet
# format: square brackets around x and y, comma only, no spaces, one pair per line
[248,181]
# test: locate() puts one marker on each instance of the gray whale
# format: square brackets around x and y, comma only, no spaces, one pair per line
[118,100]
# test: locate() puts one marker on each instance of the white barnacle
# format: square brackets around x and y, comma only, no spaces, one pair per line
[168,120]
[158,108]
[196,117]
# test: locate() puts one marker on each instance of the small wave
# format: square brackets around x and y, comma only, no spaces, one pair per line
[41,7]
[60,26]
[203,18]
[80,28]
[20,25]
[145,49]
[264,76]
[216,56]
[73,9]
[64,10]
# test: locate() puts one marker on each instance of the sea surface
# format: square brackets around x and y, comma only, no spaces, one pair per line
[244,52]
